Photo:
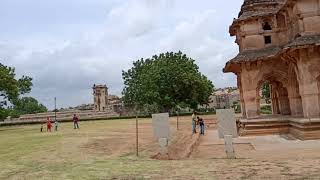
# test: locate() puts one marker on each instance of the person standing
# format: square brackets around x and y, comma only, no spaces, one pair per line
[49,125]
[75,122]
[56,125]
[194,122]
[201,124]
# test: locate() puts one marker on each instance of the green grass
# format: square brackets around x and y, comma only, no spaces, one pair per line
[25,153]
[266,109]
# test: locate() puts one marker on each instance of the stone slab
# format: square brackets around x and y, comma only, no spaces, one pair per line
[227,123]
[229,147]
[163,142]
[160,123]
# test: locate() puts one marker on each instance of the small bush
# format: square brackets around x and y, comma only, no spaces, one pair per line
[266,109]
[4,113]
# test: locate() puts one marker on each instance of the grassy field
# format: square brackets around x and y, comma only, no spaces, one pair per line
[28,154]
[105,150]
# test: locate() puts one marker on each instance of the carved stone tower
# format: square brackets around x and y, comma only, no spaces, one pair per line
[100,97]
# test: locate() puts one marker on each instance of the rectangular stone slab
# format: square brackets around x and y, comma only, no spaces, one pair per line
[229,147]
[163,142]
[160,123]
[226,123]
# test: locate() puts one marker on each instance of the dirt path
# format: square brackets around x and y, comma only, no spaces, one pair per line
[209,146]
[256,147]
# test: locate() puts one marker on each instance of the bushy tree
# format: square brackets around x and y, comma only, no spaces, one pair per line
[11,88]
[165,81]
[27,105]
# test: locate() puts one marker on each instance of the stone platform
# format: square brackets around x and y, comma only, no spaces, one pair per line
[297,127]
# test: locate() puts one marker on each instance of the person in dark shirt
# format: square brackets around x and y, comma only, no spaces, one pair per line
[201,124]
[75,122]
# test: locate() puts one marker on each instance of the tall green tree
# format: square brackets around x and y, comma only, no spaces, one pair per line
[166,80]
[11,88]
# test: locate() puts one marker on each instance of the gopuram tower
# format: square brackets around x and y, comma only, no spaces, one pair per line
[279,43]
[100,97]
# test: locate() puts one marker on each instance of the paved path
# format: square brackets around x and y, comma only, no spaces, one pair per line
[210,147]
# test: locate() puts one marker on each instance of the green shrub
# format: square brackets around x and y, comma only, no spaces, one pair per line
[3,114]
[266,109]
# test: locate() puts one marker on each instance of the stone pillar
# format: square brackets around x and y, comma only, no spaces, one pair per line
[284,105]
[274,100]
[308,84]
[258,100]
[250,100]
[318,82]
[243,107]
[249,83]
[293,92]
[275,106]
[284,101]
[296,105]
[310,100]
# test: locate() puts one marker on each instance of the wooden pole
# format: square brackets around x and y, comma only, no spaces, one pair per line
[55,109]
[137,137]
[177,121]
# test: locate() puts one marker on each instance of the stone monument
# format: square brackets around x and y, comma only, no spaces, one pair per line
[227,129]
[161,128]
[228,144]
[226,123]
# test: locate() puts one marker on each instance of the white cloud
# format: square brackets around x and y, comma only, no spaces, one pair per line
[67,66]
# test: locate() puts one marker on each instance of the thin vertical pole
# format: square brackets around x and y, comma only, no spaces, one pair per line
[55,109]
[177,121]
[137,138]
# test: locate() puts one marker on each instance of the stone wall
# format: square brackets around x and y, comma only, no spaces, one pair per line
[66,115]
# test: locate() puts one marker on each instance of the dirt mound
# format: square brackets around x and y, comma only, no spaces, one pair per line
[181,146]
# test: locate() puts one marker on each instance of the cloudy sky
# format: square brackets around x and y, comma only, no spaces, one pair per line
[68,45]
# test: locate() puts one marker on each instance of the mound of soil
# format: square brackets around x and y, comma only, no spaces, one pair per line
[181,146]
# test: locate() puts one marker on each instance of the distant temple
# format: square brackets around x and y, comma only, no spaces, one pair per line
[279,43]
[105,102]
[223,99]
[100,97]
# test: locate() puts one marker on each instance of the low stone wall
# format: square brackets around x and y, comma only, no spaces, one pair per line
[66,114]
[61,117]
[25,122]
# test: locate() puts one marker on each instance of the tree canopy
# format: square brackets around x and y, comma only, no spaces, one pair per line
[165,81]
[27,105]
[11,88]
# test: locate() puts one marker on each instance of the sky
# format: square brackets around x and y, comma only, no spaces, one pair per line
[66,46]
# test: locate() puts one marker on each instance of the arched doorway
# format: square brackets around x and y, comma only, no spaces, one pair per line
[264,98]
[278,94]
